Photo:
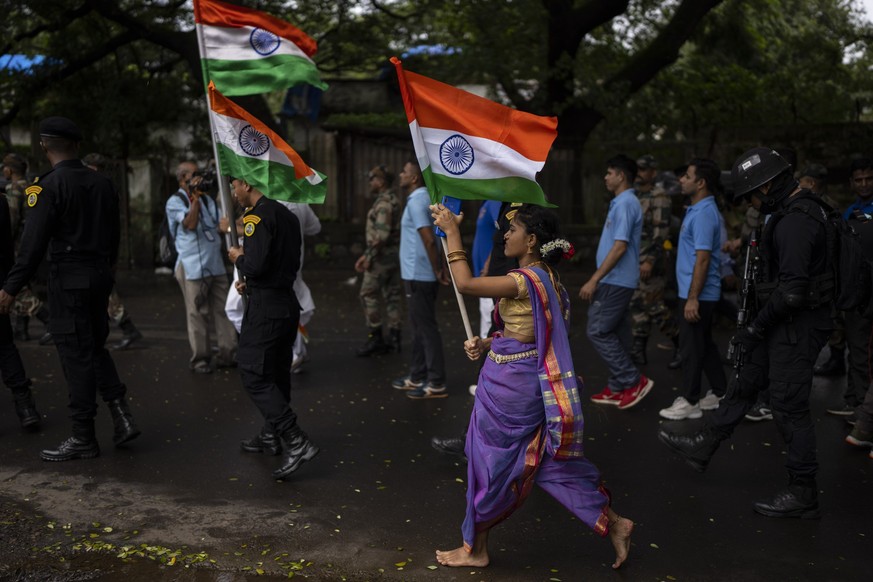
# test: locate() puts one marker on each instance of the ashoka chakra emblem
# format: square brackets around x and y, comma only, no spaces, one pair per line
[253,142]
[263,41]
[456,155]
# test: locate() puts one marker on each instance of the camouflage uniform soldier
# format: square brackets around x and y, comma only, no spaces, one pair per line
[647,304]
[26,304]
[380,265]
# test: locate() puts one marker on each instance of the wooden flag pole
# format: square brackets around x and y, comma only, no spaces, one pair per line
[461,305]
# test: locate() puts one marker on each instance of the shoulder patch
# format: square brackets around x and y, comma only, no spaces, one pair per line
[251,218]
[249,228]
[32,193]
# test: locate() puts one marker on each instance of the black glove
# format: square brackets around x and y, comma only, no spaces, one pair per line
[748,338]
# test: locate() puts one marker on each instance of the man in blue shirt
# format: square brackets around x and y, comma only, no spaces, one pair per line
[193,219]
[483,242]
[421,268]
[612,285]
[858,326]
[698,278]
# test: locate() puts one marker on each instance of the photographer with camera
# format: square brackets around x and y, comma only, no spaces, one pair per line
[194,221]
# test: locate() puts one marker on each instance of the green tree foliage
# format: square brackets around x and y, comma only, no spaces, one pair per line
[649,67]
[762,62]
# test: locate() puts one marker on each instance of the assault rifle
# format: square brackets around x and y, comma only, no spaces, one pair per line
[748,304]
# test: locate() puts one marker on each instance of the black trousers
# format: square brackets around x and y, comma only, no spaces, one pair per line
[859,338]
[428,362]
[784,360]
[11,366]
[265,353]
[78,298]
[700,355]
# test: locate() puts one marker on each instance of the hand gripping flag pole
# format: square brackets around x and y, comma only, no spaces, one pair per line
[454,205]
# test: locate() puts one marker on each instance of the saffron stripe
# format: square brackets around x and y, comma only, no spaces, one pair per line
[218,13]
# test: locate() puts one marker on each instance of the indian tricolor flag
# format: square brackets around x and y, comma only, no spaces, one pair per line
[251,151]
[244,51]
[472,148]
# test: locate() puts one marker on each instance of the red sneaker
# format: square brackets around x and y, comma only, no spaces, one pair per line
[607,397]
[632,396]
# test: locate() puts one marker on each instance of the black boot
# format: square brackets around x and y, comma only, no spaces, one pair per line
[125,428]
[799,499]
[676,362]
[296,450]
[25,407]
[695,449]
[834,366]
[450,446]
[394,339]
[19,331]
[82,445]
[638,350]
[131,334]
[263,442]
[375,344]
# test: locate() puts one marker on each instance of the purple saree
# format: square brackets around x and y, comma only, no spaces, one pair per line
[526,425]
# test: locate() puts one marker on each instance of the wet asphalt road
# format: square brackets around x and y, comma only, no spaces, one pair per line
[378,500]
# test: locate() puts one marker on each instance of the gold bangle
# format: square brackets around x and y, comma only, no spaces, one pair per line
[456,259]
[461,253]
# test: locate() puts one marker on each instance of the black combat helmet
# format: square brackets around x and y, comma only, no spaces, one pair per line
[755,168]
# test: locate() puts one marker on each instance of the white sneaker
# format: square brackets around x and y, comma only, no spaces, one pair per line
[472,389]
[709,402]
[681,409]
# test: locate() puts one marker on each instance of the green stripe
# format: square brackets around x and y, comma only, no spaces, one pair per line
[513,189]
[260,75]
[274,180]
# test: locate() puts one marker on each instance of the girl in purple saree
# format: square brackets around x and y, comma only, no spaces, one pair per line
[526,425]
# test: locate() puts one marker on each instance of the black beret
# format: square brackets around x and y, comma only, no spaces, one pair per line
[59,127]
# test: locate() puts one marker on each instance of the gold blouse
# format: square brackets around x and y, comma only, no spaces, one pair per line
[517,313]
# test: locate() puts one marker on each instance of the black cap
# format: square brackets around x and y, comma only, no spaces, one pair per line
[816,172]
[59,127]
[647,161]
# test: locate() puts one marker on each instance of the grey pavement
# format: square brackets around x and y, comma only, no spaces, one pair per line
[378,500]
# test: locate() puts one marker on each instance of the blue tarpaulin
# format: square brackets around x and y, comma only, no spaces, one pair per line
[20,62]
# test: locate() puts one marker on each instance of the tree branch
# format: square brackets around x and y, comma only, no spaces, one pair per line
[183,43]
[569,22]
[72,67]
[664,49]
[60,22]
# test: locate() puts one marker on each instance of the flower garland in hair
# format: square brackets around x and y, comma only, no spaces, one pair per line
[568,250]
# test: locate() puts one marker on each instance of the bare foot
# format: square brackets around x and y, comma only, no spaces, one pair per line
[461,557]
[620,535]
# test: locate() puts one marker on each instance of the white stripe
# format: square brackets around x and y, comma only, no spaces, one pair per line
[234,44]
[227,130]
[491,159]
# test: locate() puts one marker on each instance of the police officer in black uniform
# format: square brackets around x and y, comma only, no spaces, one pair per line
[783,340]
[73,213]
[267,267]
